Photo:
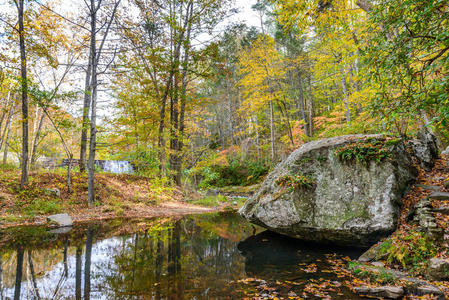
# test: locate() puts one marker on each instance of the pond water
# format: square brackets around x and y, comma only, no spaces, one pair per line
[212,256]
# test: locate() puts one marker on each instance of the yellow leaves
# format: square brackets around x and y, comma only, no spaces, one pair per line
[262,68]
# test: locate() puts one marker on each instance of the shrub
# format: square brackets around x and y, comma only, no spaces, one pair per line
[364,152]
[295,182]
[236,172]
[410,250]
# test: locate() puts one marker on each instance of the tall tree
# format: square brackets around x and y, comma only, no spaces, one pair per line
[24,91]
[95,56]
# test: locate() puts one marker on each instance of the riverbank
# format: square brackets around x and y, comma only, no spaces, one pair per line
[118,195]
[414,260]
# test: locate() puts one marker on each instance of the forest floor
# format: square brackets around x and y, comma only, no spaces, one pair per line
[124,196]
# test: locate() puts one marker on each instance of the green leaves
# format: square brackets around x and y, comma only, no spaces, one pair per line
[407,55]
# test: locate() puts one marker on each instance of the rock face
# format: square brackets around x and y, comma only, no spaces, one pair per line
[425,148]
[349,204]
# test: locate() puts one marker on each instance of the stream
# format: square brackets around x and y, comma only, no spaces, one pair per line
[209,256]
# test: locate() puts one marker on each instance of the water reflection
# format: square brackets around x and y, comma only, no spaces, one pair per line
[194,257]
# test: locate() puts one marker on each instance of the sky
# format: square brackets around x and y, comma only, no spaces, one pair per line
[246,15]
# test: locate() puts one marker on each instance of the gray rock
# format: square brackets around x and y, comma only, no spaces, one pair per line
[350,203]
[53,192]
[443,210]
[445,152]
[429,290]
[62,220]
[429,187]
[374,253]
[439,196]
[438,269]
[425,148]
[421,214]
[378,264]
[390,292]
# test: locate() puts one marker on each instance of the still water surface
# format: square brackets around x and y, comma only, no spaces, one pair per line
[212,256]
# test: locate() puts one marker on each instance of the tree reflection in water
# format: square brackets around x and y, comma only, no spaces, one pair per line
[178,258]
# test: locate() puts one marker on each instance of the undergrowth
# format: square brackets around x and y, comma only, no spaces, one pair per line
[366,151]
[296,182]
[410,250]
[210,201]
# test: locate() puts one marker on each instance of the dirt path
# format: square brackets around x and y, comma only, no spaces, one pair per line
[168,209]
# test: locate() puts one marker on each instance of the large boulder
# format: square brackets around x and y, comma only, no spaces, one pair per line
[318,196]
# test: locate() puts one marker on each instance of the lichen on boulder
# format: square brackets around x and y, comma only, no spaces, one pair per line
[349,203]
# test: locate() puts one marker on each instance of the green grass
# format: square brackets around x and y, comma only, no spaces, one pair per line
[10,218]
[377,274]
[210,201]
[42,207]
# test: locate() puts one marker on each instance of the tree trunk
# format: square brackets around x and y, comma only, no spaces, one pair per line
[69,174]
[4,136]
[24,88]
[19,269]
[8,135]
[302,107]
[86,107]
[310,109]
[93,128]
[36,140]
[257,137]
[345,94]
[174,129]
[4,113]
[79,252]
[87,262]
[33,275]
[284,112]
[1,278]
[273,151]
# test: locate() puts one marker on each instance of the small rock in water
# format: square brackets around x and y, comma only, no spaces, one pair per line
[439,196]
[62,220]
[61,230]
[390,292]
[53,192]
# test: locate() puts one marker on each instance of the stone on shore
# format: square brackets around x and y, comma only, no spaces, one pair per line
[61,220]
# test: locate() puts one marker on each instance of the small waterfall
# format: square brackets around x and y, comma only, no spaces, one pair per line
[118,166]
